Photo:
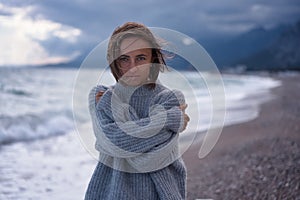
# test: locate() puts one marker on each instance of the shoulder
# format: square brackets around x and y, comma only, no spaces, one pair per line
[104,98]
[97,89]
[165,94]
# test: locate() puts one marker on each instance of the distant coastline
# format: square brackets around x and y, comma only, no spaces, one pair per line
[259,49]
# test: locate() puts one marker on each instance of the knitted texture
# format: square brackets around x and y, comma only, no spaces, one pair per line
[137,136]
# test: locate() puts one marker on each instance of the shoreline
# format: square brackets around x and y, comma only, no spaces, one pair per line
[239,157]
[248,161]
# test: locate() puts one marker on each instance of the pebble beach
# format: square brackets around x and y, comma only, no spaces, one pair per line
[259,159]
[256,159]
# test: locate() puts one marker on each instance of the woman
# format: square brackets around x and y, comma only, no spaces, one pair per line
[136,123]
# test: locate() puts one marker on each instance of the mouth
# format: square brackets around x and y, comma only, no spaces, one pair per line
[132,80]
[131,76]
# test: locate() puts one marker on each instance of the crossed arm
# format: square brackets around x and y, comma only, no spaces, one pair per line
[137,136]
[182,107]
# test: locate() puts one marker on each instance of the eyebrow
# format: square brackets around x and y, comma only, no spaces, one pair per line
[139,55]
[123,56]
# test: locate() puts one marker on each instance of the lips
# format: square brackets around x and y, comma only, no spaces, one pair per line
[131,76]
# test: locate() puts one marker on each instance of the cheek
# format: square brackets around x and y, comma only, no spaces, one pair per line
[146,71]
[123,71]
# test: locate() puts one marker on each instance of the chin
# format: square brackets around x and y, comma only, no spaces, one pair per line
[133,82]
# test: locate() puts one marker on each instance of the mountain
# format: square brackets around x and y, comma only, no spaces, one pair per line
[226,52]
[258,49]
[282,54]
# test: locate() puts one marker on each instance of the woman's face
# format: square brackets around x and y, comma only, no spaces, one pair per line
[134,61]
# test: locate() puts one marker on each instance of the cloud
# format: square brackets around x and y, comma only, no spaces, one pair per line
[21,37]
[58,29]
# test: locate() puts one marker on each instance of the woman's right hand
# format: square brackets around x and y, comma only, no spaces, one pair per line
[186,117]
[99,95]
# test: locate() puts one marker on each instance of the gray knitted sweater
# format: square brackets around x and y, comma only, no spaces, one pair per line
[137,137]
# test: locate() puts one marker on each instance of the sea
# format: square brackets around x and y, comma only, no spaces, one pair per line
[44,123]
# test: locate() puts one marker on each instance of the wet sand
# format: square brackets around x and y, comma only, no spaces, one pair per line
[259,159]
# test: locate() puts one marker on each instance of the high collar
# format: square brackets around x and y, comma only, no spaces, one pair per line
[127,91]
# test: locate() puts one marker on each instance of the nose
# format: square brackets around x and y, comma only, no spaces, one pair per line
[133,63]
[133,69]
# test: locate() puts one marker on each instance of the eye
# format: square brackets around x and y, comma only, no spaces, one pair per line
[141,58]
[123,59]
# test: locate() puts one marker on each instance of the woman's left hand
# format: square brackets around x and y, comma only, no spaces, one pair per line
[186,117]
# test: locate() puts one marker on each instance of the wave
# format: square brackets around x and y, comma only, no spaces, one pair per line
[18,92]
[29,127]
[53,114]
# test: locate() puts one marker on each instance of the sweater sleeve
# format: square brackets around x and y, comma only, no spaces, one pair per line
[170,100]
[138,135]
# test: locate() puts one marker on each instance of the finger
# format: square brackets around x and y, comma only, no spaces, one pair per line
[183,107]
[99,95]
[187,117]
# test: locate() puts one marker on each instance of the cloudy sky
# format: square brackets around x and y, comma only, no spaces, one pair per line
[34,32]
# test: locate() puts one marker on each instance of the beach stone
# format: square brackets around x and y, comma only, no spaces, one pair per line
[266,174]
